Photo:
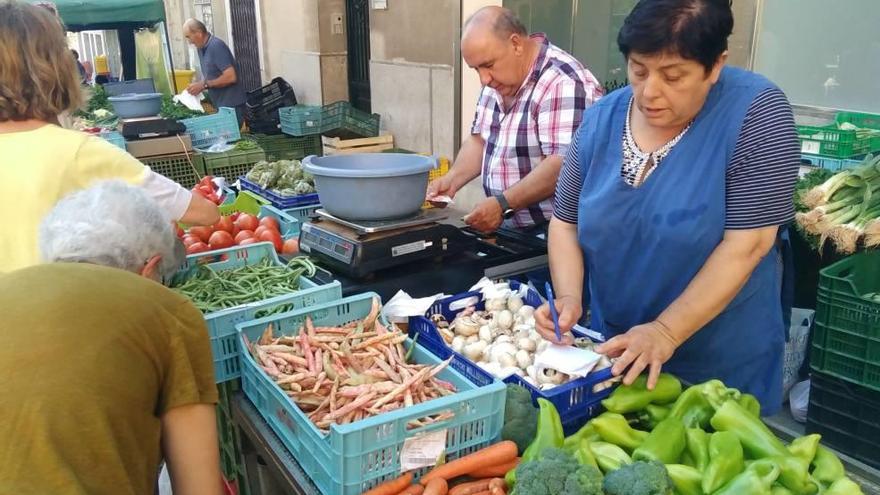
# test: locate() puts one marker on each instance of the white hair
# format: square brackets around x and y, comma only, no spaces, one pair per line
[111,224]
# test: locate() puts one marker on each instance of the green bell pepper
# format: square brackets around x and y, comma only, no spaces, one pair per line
[632,398]
[665,444]
[844,486]
[794,474]
[585,456]
[609,456]
[549,432]
[827,467]
[757,440]
[652,415]
[778,489]
[805,447]
[573,442]
[614,428]
[756,480]
[693,406]
[697,447]
[750,403]
[685,479]
[725,461]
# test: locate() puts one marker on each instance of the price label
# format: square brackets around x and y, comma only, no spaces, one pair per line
[423,450]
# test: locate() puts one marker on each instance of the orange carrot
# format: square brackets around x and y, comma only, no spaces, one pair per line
[392,487]
[413,490]
[494,471]
[436,486]
[498,486]
[470,488]
[493,455]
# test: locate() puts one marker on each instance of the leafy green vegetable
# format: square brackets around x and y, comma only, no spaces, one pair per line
[810,180]
[556,473]
[176,111]
[284,177]
[639,478]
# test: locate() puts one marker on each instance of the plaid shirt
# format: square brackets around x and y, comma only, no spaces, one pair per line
[542,118]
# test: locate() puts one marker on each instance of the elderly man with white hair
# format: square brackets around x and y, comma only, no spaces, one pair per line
[106,371]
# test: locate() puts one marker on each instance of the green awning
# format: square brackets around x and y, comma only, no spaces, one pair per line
[80,15]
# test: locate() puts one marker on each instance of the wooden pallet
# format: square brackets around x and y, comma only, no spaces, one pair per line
[337,146]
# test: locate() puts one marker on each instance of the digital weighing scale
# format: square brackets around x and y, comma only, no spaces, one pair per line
[361,248]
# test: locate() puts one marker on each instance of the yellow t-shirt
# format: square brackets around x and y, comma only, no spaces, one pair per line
[37,169]
[91,358]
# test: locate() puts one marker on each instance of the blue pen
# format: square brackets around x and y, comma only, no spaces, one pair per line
[553,312]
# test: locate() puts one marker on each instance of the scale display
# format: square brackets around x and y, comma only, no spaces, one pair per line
[335,246]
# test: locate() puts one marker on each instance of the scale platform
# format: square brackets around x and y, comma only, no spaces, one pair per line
[360,248]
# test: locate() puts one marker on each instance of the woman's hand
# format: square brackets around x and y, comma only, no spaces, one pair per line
[569,310]
[643,346]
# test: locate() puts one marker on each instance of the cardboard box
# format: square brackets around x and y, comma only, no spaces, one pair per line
[160,146]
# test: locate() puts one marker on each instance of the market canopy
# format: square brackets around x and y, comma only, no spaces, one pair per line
[80,15]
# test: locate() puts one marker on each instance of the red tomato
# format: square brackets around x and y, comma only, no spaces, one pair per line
[220,240]
[179,231]
[270,222]
[225,224]
[199,247]
[260,230]
[272,236]
[249,240]
[189,240]
[235,216]
[244,234]
[203,233]
[291,246]
[246,221]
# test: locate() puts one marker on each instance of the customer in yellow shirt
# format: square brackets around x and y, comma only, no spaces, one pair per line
[41,162]
[105,371]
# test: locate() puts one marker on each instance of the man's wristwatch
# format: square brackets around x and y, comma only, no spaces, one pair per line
[506,211]
[205,84]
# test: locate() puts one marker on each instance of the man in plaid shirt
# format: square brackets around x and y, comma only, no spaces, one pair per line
[530,107]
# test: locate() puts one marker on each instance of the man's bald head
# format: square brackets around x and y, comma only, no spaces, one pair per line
[498,21]
[195,32]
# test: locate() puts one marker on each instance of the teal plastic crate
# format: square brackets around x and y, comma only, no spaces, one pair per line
[301,120]
[288,225]
[221,324]
[832,164]
[114,138]
[342,120]
[205,131]
[303,213]
[353,458]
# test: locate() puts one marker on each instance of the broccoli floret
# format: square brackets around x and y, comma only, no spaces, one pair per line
[639,478]
[556,473]
[520,417]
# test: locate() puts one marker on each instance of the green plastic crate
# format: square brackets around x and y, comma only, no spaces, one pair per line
[864,121]
[184,169]
[301,120]
[846,342]
[232,164]
[344,121]
[283,147]
[833,142]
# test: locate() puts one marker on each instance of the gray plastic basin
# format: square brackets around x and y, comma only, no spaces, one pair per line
[132,106]
[371,186]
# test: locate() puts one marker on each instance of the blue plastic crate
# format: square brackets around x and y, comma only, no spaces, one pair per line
[114,138]
[353,458]
[221,324]
[205,131]
[287,224]
[303,213]
[575,400]
[832,164]
[277,200]
[301,120]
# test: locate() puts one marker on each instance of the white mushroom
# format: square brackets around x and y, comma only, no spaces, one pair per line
[514,302]
[501,339]
[458,344]
[466,325]
[503,348]
[475,350]
[471,339]
[486,333]
[504,319]
[492,367]
[542,345]
[507,360]
[532,372]
[525,312]
[527,344]
[512,370]
[496,304]
[523,358]
[550,376]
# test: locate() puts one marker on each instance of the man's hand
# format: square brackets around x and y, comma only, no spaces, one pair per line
[569,310]
[440,187]
[486,216]
[196,88]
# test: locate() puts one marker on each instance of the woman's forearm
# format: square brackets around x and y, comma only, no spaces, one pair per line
[566,259]
[719,280]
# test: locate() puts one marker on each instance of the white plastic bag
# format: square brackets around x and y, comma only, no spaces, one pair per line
[164,481]
[796,347]
[799,401]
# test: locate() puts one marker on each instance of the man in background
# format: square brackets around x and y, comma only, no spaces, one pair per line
[219,71]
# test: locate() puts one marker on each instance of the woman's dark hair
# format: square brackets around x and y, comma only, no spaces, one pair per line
[693,29]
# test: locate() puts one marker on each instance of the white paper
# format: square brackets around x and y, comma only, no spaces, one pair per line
[189,101]
[566,359]
[497,290]
[441,199]
[592,334]
[400,307]
[422,450]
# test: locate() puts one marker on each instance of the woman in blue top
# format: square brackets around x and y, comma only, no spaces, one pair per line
[672,197]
